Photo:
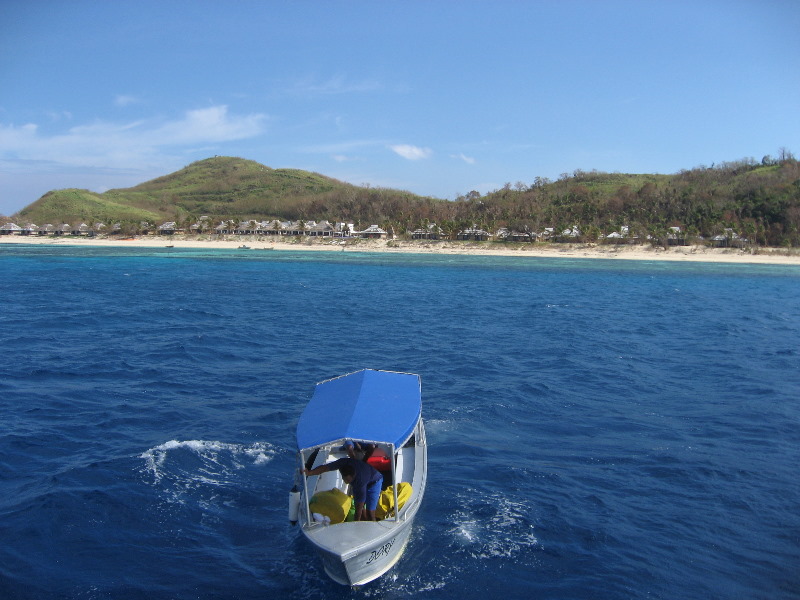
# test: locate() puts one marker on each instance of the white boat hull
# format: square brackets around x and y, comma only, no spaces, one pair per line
[358,552]
[371,561]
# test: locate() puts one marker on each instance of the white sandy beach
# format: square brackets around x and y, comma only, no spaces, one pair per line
[772,256]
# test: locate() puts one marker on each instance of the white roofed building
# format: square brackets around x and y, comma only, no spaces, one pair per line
[10,228]
[373,232]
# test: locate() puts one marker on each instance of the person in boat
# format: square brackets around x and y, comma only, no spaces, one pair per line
[365,480]
[359,450]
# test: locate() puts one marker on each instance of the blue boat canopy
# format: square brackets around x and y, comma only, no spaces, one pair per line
[375,406]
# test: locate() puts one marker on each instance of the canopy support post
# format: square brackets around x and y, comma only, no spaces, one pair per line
[394,483]
[306,509]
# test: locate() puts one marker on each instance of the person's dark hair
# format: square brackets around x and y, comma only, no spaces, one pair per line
[346,470]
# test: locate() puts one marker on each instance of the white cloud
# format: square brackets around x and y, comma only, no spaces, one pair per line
[467,159]
[411,152]
[342,148]
[134,144]
[208,125]
[125,100]
[11,137]
[335,85]
[55,116]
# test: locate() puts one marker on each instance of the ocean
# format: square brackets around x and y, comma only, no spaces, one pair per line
[597,428]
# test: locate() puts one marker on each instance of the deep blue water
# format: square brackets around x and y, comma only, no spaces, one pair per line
[597,429]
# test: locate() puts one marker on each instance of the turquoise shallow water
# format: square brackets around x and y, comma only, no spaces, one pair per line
[597,429]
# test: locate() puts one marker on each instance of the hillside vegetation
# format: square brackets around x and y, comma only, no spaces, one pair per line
[757,200]
[218,187]
[73,205]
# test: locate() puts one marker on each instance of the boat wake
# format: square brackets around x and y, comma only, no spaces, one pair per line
[485,528]
[186,467]
[493,526]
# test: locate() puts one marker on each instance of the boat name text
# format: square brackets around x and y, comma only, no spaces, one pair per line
[382,551]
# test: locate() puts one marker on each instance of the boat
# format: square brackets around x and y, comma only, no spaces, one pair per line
[380,410]
[244,247]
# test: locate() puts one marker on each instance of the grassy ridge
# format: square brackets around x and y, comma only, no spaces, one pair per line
[218,187]
[73,205]
[758,200]
[224,186]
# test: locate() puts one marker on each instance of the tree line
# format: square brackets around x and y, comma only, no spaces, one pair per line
[757,200]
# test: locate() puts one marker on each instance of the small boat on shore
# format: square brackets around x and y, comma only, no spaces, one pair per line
[379,410]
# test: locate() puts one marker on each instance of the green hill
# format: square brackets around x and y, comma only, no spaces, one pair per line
[228,187]
[72,206]
[220,187]
[757,200]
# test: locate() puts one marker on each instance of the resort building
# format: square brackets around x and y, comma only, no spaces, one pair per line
[10,229]
[506,235]
[571,234]
[473,233]
[373,232]
[676,237]
[431,232]
[729,239]
[620,237]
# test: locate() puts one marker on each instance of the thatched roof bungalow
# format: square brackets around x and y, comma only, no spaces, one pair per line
[507,235]
[321,229]
[729,239]
[10,229]
[676,237]
[431,232]
[473,233]
[168,228]
[373,232]
[571,234]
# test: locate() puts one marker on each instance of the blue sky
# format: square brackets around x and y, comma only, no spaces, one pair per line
[435,97]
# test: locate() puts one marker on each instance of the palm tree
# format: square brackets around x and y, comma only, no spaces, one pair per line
[750,232]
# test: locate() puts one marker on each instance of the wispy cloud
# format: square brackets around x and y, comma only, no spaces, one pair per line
[211,124]
[343,147]
[56,116]
[338,84]
[411,152]
[467,159]
[126,100]
[131,144]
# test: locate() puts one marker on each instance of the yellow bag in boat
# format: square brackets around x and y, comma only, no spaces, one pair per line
[334,504]
[386,501]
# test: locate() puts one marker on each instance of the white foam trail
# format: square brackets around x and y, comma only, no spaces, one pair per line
[502,530]
[208,451]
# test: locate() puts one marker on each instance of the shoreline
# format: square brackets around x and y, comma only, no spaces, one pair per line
[765,256]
